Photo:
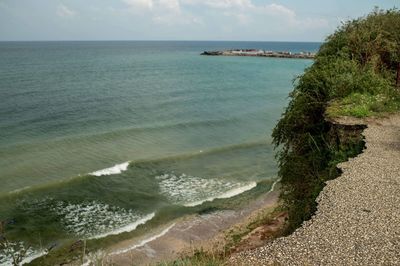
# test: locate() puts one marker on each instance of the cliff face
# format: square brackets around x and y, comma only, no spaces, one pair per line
[357,220]
[311,160]
[354,75]
[345,139]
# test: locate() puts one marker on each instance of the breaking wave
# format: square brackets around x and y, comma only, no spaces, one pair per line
[144,241]
[192,191]
[97,220]
[114,170]
[19,248]
[228,194]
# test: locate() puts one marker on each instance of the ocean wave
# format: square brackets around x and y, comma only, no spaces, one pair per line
[19,190]
[127,228]
[192,191]
[34,256]
[99,136]
[144,241]
[95,220]
[116,169]
[119,168]
[226,195]
[15,248]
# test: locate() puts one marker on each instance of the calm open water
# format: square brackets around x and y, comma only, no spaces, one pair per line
[99,137]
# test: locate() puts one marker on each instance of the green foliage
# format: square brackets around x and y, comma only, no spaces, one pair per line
[363,105]
[374,37]
[353,74]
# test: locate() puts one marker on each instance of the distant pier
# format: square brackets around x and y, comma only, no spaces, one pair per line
[260,53]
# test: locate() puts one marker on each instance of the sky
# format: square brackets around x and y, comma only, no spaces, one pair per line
[240,20]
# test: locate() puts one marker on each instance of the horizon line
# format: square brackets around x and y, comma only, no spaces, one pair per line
[131,40]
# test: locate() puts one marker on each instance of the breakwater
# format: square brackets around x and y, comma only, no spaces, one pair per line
[261,53]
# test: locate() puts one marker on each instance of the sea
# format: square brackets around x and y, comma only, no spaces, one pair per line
[107,140]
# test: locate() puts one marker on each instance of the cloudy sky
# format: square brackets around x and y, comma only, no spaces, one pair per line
[257,20]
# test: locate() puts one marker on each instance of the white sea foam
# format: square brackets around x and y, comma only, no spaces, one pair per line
[18,190]
[143,242]
[14,248]
[228,194]
[96,220]
[116,169]
[127,228]
[191,190]
[274,184]
[34,256]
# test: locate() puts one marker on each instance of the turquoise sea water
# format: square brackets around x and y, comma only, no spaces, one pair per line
[97,137]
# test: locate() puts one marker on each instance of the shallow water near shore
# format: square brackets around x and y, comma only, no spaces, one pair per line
[104,140]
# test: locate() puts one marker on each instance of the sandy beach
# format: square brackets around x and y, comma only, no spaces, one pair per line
[205,231]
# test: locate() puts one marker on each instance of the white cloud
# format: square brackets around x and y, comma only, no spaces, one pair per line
[313,23]
[228,3]
[291,20]
[220,4]
[171,5]
[148,4]
[245,9]
[277,10]
[239,17]
[65,12]
[246,17]
[163,12]
[245,12]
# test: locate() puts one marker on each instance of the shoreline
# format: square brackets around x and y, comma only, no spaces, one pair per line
[182,236]
[174,239]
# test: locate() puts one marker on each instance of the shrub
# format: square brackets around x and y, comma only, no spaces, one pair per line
[353,74]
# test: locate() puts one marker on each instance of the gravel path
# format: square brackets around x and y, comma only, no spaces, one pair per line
[358,217]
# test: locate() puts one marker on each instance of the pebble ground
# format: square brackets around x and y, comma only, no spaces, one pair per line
[358,216]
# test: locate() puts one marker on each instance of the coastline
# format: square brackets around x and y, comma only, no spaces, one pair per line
[352,210]
[196,232]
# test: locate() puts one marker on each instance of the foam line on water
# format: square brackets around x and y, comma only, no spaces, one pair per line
[228,194]
[14,248]
[127,228]
[144,241]
[34,256]
[274,184]
[116,169]
[19,190]
[93,220]
[190,190]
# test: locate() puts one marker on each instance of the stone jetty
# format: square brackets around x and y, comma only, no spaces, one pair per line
[260,53]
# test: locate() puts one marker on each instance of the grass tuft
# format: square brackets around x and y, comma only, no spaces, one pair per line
[363,105]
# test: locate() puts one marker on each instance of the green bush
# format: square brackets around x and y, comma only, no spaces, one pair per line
[353,74]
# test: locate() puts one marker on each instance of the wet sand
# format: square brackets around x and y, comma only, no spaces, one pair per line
[184,235]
